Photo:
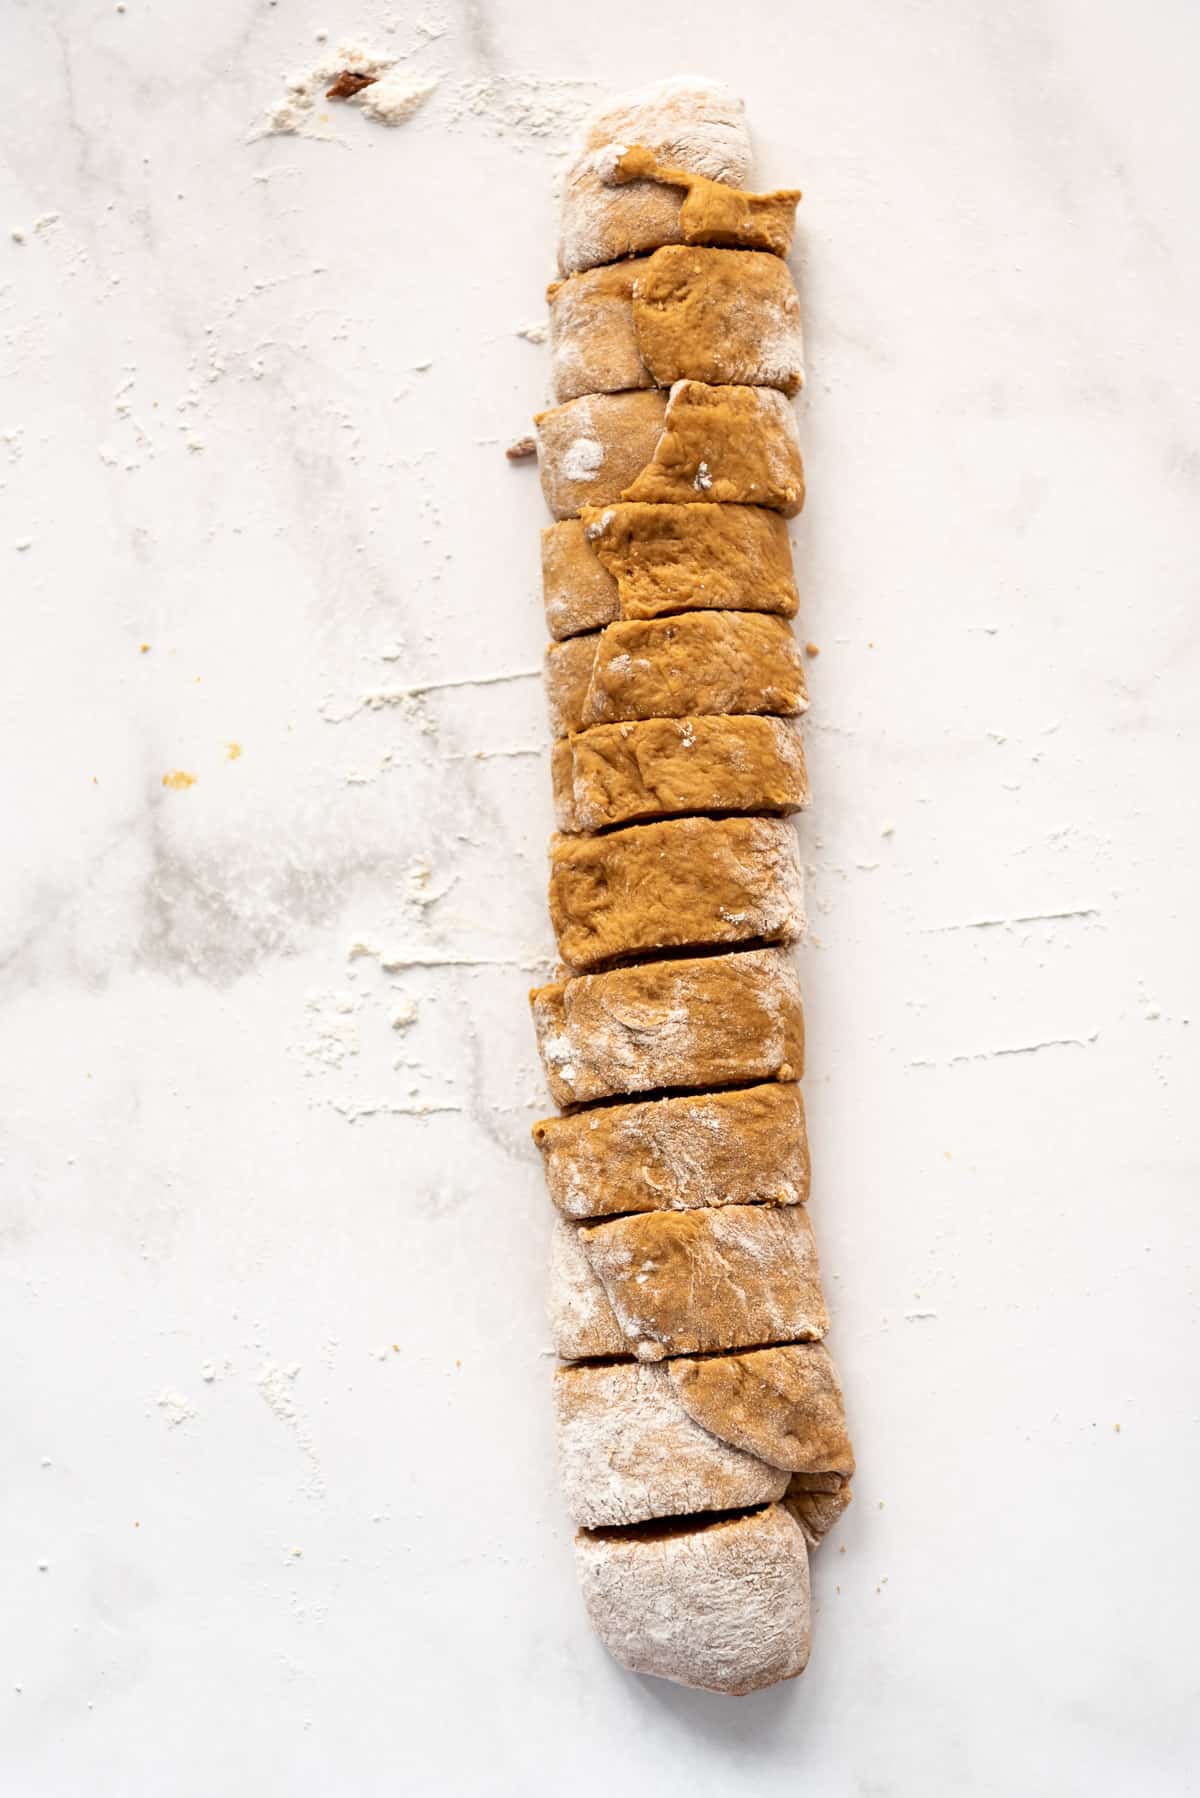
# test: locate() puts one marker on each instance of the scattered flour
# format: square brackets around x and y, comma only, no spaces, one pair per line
[177,1408]
[583,459]
[529,108]
[393,96]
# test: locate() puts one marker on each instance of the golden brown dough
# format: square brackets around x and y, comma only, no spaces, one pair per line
[593,339]
[745,1147]
[716,212]
[734,445]
[722,316]
[664,767]
[690,1282]
[783,1404]
[696,662]
[628,561]
[582,1322]
[717,1020]
[590,449]
[685,884]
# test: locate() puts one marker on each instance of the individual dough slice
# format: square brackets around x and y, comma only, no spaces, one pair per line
[691,1282]
[582,1322]
[719,1603]
[627,561]
[593,341]
[629,1451]
[745,1147]
[712,212]
[782,1404]
[733,445]
[591,449]
[719,1020]
[683,313]
[687,883]
[665,767]
[695,662]
[696,124]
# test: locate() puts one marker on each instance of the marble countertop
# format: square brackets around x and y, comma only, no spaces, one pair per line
[279,1512]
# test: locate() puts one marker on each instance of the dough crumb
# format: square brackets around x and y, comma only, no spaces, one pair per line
[812,649]
[179,779]
[523,447]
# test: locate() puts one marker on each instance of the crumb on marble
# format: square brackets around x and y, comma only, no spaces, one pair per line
[179,779]
[347,83]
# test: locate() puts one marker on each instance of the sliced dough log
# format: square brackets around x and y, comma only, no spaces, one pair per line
[745,1147]
[734,445]
[629,1451]
[665,767]
[591,449]
[627,561]
[781,1404]
[690,1282]
[683,313]
[721,1604]
[720,1020]
[696,662]
[696,124]
[687,883]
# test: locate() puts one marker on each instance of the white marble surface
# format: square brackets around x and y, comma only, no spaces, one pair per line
[278,1512]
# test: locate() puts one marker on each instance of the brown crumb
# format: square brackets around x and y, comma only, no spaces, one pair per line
[179,778]
[143,649]
[349,83]
[524,446]
[1117,1428]
[812,649]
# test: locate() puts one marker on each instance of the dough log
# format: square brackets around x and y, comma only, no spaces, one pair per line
[701,1432]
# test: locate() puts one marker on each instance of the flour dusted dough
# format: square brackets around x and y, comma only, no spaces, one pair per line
[582,1322]
[686,883]
[645,561]
[719,1020]
[720,1604]
[663,767]
[745,1147]
[692,123]
[723,316]
[690,1282]
[629,1451]
[696,662]
[701,1432]
[591,449]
